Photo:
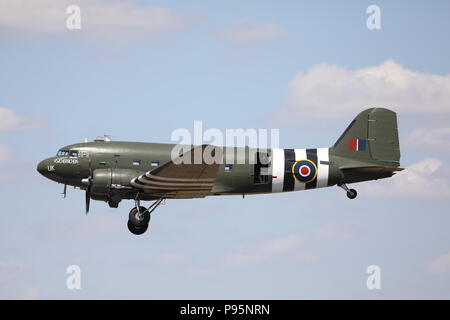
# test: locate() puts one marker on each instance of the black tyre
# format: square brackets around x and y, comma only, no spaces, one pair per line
[135,230]
[136,221]
[351,194]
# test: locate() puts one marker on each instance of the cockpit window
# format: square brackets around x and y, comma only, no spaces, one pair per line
[62,153]
[73,153]
[65,153]
[83,154]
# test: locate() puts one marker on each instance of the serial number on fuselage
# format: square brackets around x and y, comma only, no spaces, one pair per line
[66,161]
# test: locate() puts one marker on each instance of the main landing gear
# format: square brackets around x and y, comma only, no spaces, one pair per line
[351,193]
[139,217]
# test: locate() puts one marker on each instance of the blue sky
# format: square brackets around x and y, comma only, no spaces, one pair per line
[141,69]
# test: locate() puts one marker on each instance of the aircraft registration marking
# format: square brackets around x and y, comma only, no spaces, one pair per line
[66,161]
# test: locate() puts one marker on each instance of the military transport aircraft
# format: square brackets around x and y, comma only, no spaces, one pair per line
[111,171]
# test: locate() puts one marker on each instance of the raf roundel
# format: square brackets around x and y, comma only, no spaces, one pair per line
[304,171]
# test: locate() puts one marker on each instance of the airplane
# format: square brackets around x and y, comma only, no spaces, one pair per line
[112,171]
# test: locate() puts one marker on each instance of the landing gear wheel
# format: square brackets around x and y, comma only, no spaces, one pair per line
[136,231]
[139,217]
[138,223]
[351,193]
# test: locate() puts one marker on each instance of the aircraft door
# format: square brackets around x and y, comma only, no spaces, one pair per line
[261,168]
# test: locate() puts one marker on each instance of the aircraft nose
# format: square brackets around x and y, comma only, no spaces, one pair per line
[42,167]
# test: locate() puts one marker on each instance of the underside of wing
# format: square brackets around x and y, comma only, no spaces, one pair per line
[188,176]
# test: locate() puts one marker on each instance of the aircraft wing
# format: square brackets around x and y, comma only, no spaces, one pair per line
[181,180]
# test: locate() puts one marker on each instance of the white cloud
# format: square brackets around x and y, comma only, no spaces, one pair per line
[5,154]
[170,260]
[245,34]
[436,139]
[262,253]
[440,266]
[10,121]
[338,232]
[109,20]
[333,91]
[428,178]
[301,258]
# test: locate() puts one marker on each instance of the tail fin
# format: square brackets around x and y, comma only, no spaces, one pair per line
[372,137]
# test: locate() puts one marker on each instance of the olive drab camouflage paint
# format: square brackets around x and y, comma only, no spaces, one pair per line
[111,171]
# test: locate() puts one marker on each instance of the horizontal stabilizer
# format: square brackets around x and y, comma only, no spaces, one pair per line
[358,174]
[372,169]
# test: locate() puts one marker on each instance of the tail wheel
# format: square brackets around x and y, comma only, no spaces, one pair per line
[351,193]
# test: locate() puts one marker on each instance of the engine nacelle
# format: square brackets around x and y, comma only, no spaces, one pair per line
[107,183]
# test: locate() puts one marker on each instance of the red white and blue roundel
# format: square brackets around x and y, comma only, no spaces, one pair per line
[304,171]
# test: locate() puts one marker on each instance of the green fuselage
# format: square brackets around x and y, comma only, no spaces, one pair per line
[127,160]
[111,167]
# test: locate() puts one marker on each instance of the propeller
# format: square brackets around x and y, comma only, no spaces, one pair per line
[88,188]
[88,198]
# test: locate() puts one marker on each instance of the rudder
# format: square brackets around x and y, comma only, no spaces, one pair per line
[371,137]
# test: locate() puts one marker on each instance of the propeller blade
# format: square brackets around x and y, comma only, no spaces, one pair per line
[88,199]
[88,189]
[64,191]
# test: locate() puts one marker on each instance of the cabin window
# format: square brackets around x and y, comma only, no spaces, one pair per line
[136,162]
[228,167]
[154,163]
[73,153]
[83,154]
[117,156]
